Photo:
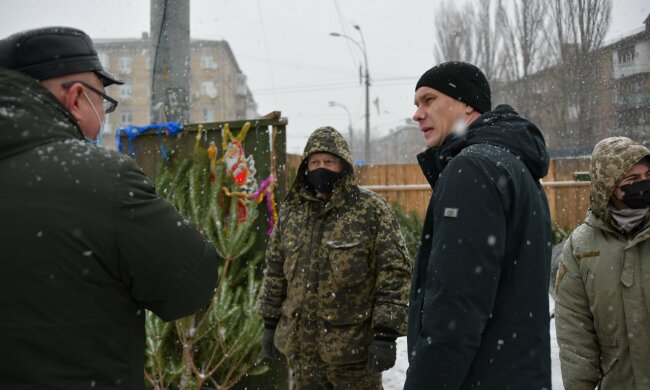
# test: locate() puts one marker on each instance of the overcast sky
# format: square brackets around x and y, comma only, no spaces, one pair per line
[284,48]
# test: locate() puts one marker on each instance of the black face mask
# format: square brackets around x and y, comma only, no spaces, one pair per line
[322,179]
[637,195]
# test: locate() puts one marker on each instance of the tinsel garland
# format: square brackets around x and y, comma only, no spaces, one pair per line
[228,142]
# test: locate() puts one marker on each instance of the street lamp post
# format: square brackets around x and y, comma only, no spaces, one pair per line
[337,104]
[362,47]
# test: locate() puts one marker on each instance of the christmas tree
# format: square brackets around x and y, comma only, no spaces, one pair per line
[221,343]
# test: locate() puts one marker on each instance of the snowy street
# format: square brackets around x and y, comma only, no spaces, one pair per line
[393,379]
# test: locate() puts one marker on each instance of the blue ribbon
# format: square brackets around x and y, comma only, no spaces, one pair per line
[131,132]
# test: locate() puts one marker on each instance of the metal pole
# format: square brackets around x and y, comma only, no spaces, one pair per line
[365,58]
[362,47]
[170,59]
[367,151]
[332,104]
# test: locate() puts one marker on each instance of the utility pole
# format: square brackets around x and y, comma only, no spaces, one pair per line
[351,139]
[170,59]
[362,47]
[365,59]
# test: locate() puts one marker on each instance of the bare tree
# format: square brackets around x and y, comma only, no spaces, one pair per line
[522,23]
[468,34]
[453,32]
[488,39]
[580,26]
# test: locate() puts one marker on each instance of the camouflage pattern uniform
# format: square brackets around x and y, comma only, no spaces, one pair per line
[337,272]
[603,284]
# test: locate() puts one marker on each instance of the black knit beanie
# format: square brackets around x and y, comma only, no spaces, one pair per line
[461,81]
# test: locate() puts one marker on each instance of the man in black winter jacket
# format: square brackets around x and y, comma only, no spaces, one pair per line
[85,243]
[478,307]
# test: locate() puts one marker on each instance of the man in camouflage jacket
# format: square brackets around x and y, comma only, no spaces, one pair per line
[337,276]
[602,308]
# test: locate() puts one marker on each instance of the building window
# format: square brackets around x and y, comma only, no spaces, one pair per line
[240,84]
[208,114]
[103,58]
[125,91]
[626,55]
[207,62]
[127,118]
[124,66]
[208,89]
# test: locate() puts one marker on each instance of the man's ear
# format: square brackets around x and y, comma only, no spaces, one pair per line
[469,109]
[72,101]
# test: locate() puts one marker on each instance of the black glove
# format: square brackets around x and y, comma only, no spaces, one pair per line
[381,354]
[268,348]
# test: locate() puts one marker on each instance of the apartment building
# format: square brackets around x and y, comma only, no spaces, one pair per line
[618,98]
[218,89]
[630,95]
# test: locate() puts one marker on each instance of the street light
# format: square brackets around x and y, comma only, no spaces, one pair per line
[337,104]
[362,47]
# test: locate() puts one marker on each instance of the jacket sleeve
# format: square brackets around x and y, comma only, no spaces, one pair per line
[462,275]
[393,275]
[574,324]
[168,266]
[274,289]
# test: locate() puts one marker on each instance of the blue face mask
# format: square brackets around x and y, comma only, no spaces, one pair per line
[100,133]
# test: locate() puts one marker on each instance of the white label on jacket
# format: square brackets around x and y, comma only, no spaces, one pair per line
[451,212]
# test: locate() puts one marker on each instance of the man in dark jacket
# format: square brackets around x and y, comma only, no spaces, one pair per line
[337,271]
[86,244]
[478,308]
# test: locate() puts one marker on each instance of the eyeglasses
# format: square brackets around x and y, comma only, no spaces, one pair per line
[109,103]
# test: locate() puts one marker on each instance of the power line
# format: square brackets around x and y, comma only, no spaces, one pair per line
[307,88]
[333,86]
[345,31]
[266,45]
[294,64]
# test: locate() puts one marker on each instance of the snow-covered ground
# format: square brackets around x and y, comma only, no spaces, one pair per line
[393,379]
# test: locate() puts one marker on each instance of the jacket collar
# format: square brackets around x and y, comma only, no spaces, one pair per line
[30,115]
[503,128]
[432,162]
[605,223]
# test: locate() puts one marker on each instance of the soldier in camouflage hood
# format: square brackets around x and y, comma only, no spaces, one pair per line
[603,282]
[337,275]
